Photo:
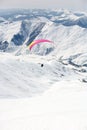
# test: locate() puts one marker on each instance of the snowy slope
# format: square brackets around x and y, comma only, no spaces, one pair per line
[8,30]
[62,107]
[23,76]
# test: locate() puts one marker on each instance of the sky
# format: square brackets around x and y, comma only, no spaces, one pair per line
[65,4]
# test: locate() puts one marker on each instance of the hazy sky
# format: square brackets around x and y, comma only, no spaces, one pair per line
[67,4]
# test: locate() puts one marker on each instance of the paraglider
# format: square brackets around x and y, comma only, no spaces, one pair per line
[37,42]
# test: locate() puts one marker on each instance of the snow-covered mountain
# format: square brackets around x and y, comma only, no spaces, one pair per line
[67,30]
[53,77]
[19,28]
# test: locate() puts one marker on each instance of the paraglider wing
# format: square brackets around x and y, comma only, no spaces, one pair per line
[37,42]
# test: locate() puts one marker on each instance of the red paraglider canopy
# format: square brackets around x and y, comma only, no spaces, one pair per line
[37,42]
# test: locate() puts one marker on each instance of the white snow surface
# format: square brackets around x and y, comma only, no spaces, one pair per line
[37,98]
[61,107]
